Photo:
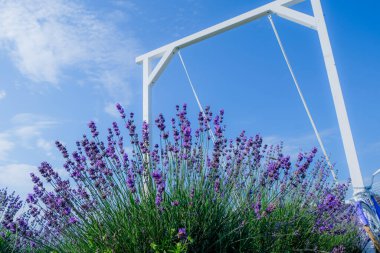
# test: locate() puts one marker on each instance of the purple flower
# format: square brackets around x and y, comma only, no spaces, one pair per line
[121,110]
[192,192]
[157,176]
[62,149]
[217,185]
[73,220]
[31,199]
[130,125]
[160,186]
[270,208]
[101,172]
[257,207]
[339,249]
[145,132]
[330,203]
[160,122]
[131,181]
[182,233]
[158,200]
[66,211]
[116,128]
[273,171]
[92,127]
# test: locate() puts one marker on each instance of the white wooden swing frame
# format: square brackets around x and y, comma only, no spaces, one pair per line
[281,8]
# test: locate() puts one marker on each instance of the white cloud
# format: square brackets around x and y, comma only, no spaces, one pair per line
[6,145]
[26,132]
[28,127]
[45,38]
[30,119]
[45,145]
[2,94]
[26,118]
[302,143]
[110,108]
[16,177]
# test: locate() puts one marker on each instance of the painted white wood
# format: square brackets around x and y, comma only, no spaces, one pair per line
[295,16]
[147,98]
[340,108]
[161,65]
[147,92]
[219,28]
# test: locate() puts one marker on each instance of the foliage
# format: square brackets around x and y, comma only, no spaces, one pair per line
[9,206]
[195,191]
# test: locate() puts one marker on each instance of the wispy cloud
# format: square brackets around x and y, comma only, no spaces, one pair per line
[16,177]
[6,145]
[46,39]
[110,108]
[2,94]
[294,145]
[45,145]
[26,132]
[27,127]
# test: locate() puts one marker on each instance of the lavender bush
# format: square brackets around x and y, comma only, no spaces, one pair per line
[9,206]
[192,192]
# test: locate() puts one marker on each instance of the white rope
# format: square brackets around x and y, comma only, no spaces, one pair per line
[195,93]
[303,99]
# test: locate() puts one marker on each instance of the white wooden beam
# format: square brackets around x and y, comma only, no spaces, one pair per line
[219,28]
[340,108]
[147,92]
[295,16]
[161,65]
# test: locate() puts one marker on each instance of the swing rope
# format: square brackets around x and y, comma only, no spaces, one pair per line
[302,98]
[296,84]
[195,93]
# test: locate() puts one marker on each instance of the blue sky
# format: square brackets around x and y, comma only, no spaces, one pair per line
[64,63]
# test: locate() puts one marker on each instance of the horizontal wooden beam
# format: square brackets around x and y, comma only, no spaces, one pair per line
[218,28]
